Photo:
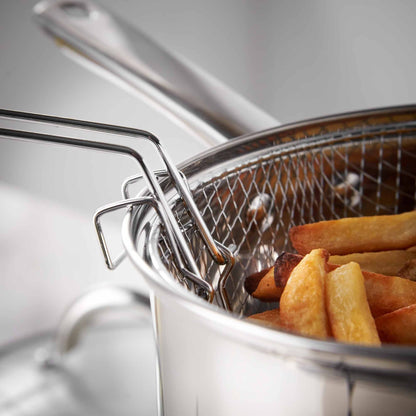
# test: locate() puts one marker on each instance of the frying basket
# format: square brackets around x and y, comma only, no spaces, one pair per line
[252,191]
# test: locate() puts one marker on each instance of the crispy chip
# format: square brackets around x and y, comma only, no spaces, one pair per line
[398,327]
[355,235]
[388,262]
[408,271]
[268,284]
[302,304]
[261,285]
[388,293]
[269,318]
[348,311]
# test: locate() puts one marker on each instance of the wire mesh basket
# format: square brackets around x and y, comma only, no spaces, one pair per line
[364,164]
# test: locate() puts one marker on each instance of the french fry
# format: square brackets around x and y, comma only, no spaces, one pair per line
[284,266]
[302,304]
[354,235]
[348,311]
[398,327]
[388,293]
[262,286]
[408,271]
[388,262]
[269,318]
[267,285]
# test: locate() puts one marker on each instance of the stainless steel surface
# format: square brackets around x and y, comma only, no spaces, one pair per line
[200,103]
[301,167]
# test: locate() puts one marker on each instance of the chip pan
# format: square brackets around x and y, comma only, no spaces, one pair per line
[196,233]
[250,192]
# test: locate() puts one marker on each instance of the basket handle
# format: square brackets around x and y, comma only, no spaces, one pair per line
[127,145]
[199,103]
[98,300]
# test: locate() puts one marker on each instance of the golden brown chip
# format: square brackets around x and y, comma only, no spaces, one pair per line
[302,304]
[388,262]
[261,285]
[283,267]
[398,327]
[408,271]
[388,293]
[354,235]
[348,311]
[268,284]
[269,318]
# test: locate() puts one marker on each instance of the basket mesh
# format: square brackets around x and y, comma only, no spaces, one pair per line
[319,178]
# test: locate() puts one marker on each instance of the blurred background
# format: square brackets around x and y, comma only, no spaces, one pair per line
[294,59]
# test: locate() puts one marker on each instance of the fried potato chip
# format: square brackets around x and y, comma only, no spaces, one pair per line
[408,271]
[261,285]
[302,304]
[388,262]
[269,318]
[388,293]
[348,311]
[398,327]
[268,284]
[354,235]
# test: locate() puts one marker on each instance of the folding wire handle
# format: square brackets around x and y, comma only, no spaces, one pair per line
[155,197]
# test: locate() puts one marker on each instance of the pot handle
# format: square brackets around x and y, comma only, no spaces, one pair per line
[198,103]
[84,309]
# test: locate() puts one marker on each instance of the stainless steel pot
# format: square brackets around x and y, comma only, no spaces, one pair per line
[211,361]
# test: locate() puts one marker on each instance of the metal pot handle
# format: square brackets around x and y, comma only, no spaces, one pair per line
[199,103]
[84,309]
